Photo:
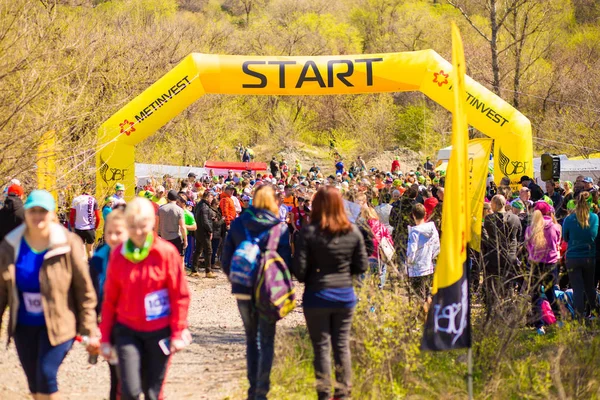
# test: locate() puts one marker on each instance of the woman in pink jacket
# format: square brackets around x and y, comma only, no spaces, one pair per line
[376,261]
[542,238]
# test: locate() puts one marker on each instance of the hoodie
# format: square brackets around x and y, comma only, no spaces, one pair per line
[548,254]
[423,247]
[255,221]
[11,215]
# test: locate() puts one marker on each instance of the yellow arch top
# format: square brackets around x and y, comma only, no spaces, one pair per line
[198,74]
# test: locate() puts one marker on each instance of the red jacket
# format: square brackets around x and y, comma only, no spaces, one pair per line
[227,208]
[140,295]
[429,204]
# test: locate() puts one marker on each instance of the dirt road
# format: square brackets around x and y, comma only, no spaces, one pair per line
[212,367]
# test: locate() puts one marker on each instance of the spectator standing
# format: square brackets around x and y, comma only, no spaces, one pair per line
[190,230]
[330,251]
[218,234]
[579,231]
[205,217]
[377,264]
[260,332]
[160,198]
[12,214]
[536,192]
[400,219]
[428,166]
[171,223]
[384,208]
[542,239]
[274,167]
[118,197]
[499,235]
[85,219]
[422,249]
[554,195]
[361,164]
[395,165]
[227,206]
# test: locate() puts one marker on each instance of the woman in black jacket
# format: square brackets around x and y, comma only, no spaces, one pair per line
[329,252]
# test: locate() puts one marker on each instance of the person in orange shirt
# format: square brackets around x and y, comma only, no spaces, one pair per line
[290,200]
[379,182]
[227,206]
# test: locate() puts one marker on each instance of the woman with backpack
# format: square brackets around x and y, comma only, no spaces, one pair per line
[542,239]
[330,251]
[254,225]
[580,230]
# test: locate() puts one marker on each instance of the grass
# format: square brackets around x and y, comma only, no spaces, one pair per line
[510,360]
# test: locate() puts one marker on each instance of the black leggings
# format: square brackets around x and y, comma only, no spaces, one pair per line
[142,363]
[581,276]
[327,327]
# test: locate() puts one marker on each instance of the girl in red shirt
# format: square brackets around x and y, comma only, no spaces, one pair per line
[146,300]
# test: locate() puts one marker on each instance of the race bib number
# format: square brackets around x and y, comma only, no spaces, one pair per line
[157,304]
[33,302]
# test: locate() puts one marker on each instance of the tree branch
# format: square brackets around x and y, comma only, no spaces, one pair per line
[469,20]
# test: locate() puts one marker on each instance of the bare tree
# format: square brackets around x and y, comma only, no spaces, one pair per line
[514,27]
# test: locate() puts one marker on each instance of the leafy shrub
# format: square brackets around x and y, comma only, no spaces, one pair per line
[510,360]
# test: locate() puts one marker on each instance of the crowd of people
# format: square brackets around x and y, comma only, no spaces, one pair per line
[327,231]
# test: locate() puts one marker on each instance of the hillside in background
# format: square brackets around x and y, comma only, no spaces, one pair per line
[68,65]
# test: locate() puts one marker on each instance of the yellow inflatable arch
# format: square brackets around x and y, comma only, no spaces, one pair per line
[197,74]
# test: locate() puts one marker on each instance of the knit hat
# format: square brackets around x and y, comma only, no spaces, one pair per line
[518,204]
[544,208]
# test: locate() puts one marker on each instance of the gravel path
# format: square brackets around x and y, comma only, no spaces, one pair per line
[212,367]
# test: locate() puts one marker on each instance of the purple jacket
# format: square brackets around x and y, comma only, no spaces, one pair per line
[548,254]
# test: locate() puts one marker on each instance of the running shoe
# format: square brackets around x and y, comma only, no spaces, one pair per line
[541,331]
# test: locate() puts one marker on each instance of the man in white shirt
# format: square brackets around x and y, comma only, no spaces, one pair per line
[85,218]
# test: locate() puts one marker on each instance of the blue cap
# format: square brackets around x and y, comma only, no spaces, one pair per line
[588,179]
[40,198]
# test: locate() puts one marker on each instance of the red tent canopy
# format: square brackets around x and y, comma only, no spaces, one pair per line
[236,166]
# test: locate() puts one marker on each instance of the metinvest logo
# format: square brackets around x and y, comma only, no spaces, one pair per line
[127,127]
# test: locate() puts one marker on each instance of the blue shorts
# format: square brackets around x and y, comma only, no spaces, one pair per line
[40,360]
